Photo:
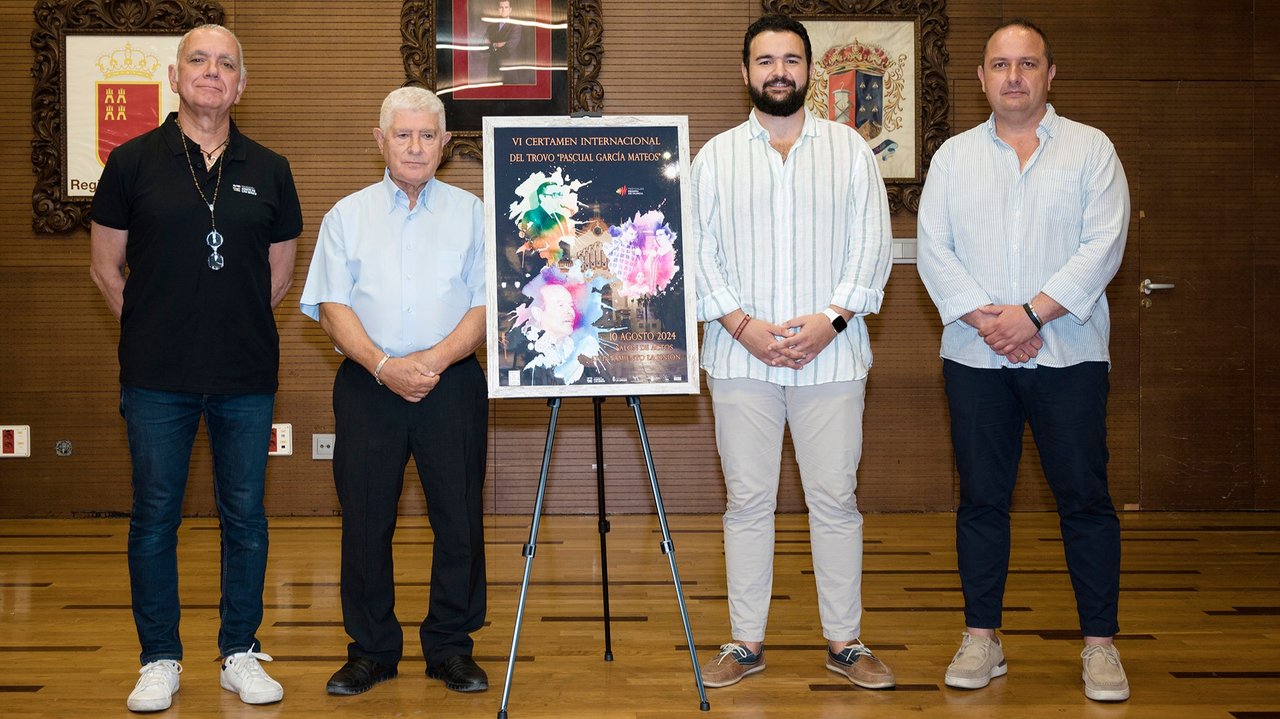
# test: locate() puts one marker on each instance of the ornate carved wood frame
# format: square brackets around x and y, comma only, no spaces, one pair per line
[584,50]
[52,210]
[933,125]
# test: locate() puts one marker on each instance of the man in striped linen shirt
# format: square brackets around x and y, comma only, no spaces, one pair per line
[1022,224]
[793,250]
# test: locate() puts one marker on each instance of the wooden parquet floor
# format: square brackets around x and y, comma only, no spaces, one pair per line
[1200,620]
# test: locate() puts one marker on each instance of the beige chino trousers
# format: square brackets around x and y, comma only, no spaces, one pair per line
[826,431]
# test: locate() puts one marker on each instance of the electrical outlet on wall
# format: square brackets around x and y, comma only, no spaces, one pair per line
[281,440]
[15,440]
[322,446]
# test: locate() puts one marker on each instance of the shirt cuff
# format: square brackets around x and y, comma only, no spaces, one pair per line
[858,300]
[1073,299]
[954,308]
[717,304]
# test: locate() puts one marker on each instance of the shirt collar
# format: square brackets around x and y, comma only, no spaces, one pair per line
[1048,126]
[757,131]
[397,196]
[235,148]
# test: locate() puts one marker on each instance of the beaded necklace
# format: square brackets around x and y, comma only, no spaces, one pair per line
[214,238]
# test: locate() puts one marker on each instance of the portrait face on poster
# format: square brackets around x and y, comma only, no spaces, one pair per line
[590,290]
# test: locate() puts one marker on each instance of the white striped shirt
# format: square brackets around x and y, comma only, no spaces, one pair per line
[784,239]
[989,232]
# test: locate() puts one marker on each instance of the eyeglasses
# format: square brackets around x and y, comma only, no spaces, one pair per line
[214,241]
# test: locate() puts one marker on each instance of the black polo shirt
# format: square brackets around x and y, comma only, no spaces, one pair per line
[186,327]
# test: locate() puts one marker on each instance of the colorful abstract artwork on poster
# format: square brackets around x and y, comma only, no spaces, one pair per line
[590,292]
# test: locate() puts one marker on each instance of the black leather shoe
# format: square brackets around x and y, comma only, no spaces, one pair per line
[460,673]
[358,676]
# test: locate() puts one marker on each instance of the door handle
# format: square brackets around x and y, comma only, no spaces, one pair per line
[1147,286]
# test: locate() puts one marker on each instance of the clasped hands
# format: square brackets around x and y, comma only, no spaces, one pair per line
[792,344]
[412,376]
[1008,331]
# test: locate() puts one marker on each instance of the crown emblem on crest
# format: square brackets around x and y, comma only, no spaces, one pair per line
[128,61]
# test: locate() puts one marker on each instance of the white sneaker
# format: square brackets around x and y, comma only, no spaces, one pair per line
[976,663]
[242,674]
[156,687]
[1104,678]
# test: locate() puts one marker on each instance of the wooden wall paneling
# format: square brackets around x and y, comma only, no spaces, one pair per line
[1171,39]
[680,438]
[677,58]
[1266,408]
[1110,107]
[93,481]
[1266,51]
[1266,286]
[1197,340]
[55,379]
[906,450]
[970,23]
[298,484]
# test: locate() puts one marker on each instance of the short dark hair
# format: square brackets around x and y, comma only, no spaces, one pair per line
[776,23]
[1019,22]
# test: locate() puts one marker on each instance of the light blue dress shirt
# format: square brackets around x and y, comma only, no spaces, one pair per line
[783,239]
[992,233]
[409,275]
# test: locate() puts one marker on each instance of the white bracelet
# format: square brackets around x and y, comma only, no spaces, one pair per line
[378,370]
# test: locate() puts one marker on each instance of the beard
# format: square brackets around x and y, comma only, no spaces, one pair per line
[788,105]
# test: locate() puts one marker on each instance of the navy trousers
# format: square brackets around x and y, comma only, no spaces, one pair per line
[1067,410]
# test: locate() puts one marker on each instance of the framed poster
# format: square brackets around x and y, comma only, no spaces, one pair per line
[866,75]
[117,89]
[503,57]
[101,78]
[590,287]
[881,69]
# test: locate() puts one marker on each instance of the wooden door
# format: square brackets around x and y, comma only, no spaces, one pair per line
[1196,339]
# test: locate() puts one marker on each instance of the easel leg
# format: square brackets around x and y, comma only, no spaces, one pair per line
[528,552]
[668,548]
[604,528]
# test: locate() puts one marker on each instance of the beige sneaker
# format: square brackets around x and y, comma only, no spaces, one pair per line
[978,661]
[1104,679]
[861,667]
[732,664]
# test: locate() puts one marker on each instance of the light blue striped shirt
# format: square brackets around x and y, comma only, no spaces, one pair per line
[991,233]
[409,275]
[783,239]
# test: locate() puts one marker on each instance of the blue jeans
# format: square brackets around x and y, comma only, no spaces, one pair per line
[162,428]
[1067,410]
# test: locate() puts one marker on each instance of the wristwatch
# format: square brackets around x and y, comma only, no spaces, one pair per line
[837,322]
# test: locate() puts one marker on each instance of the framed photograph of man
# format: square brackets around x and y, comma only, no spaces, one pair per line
[503,57]
[882,71]
[590,283]
[101,79]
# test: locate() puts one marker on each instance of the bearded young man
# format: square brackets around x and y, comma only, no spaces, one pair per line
[793,250]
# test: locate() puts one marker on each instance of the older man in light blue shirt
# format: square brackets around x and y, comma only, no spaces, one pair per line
[397,282]
[1022,225]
